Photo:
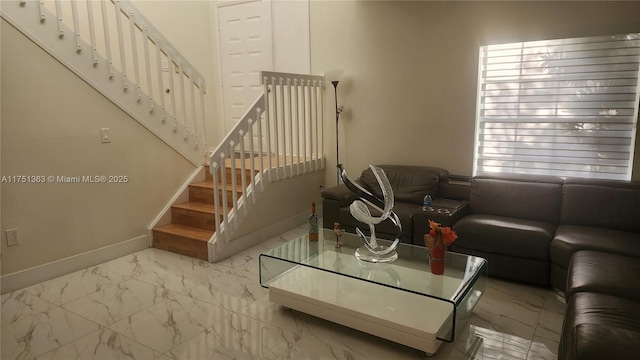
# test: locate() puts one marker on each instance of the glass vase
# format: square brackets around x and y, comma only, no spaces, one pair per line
[436,260]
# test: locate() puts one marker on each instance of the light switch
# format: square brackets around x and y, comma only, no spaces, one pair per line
[104,135]
[12,237]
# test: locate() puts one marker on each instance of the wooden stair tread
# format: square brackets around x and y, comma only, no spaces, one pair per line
[199,207]
[196,206]
[209,185]
[185,231]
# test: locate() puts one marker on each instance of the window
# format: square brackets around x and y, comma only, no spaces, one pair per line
[558,107]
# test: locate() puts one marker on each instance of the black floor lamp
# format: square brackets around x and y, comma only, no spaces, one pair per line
[335,87]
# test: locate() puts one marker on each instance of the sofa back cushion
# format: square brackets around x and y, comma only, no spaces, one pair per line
[603,203]
[410,183]
[528,197]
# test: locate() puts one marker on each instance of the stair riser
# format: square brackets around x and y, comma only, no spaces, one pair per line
[228,175]
[205,195]
[193,218]
[180,245]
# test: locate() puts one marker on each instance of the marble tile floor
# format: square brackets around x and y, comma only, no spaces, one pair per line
[159,305]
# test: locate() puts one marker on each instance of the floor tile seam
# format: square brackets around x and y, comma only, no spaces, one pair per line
[61,307]
[156,352]
[105,267]
[545,329]
[61,344]
[165,288]
[99,291]
[84,317]
[500,287]
[488,341]
[165,300]
[552,351]
[208,329]
[110,325]
[220,263]
[77,298]
[544,307]
[115,321]
[101,329]
[279,328]
[535,330]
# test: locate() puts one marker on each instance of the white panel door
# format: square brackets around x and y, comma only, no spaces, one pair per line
[245,50]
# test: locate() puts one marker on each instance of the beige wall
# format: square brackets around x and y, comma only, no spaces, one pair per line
[51,123]
[412,68]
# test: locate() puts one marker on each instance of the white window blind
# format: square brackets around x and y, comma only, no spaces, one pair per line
[559,107]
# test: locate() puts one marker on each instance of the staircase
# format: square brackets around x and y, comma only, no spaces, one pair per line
[116,50]
[193,222]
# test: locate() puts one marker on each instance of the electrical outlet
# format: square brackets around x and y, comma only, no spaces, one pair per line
[12,237]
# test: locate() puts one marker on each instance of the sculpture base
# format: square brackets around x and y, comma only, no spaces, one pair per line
[362,253]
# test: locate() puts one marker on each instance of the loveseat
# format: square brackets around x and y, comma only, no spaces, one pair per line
[410,184]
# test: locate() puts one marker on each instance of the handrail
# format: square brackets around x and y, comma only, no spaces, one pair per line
[114,37]
[283,130]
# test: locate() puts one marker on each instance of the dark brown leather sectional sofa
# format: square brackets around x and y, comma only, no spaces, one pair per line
[580,236]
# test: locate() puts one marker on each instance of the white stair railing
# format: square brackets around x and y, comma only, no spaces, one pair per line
[280,136]
[111,45]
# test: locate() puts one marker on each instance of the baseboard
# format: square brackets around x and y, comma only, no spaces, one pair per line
[244,242]
[40,273]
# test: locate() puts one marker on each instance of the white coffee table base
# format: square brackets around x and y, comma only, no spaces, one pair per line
[399,316]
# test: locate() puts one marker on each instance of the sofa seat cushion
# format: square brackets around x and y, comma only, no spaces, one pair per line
[403,210]
[528,270]
[595,271]
[599,326]
[507,236]
[570,238]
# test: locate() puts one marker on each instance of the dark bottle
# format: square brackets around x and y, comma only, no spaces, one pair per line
[313,223]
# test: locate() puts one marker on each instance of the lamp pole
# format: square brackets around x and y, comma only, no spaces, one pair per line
[335,87]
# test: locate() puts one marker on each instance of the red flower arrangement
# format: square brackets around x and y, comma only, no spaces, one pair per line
[439,237]
[437,241]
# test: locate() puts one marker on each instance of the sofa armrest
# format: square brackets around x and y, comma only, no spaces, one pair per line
[446,212]
[339,193]
[455,189]
[333,199]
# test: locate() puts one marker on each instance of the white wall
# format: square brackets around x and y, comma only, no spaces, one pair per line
[290,19]
[188,25]
[51,122]
[413,70]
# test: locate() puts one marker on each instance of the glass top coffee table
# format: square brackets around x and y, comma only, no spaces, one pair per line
[399,301]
